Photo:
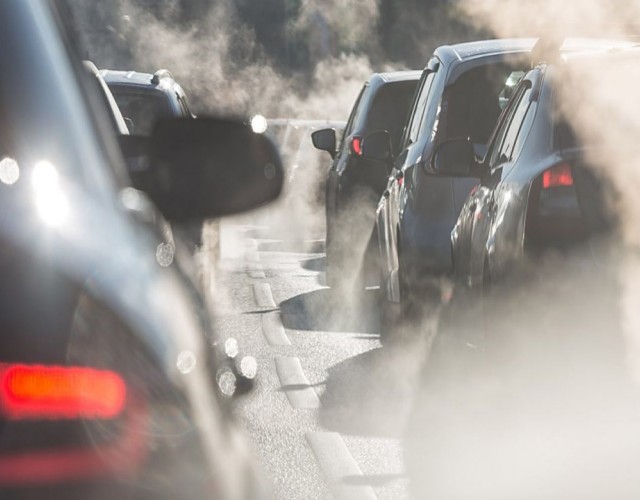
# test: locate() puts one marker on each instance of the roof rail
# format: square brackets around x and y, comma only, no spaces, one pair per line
[161,73]
[546,50]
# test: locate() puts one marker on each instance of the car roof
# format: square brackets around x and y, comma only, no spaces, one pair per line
[397,76]
[161,80]
[486,48]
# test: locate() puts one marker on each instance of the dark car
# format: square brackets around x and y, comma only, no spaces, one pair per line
[534,192]
[144,98]
[109,385]
[530,386]
[460,95]
[354,183]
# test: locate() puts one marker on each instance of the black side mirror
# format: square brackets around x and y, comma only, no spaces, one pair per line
[204,168]
[377,146]
[325,140]
[454,158]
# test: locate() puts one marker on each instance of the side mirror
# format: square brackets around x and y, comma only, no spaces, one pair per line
[377,146]
[454,158]
[325,140]
[204,168]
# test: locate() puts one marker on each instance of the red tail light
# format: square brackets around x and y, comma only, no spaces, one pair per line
[557,176]
[54,392]
[356,145]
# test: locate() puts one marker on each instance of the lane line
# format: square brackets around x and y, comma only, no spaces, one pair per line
[263,295]
[295,384]
[274,331]
[338,466]
[256,271]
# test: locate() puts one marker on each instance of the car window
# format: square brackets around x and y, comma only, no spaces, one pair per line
[390,109]
[143,108]
[470,107]
[511,142]
[419,111]
[356,111]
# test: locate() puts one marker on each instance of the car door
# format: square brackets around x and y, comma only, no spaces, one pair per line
[490,205]
[333,177]
[388,209]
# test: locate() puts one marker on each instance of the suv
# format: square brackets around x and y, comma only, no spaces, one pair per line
[144,98]
[460,95]
[354,183]
[534,191]
[536,355]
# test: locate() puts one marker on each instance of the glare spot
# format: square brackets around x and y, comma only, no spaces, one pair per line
[186,362]
[164,254]
[131,199]
[270,171]
[231,348]
[249,367]
[51,202]
[9,171]
[259,124]
[227,382]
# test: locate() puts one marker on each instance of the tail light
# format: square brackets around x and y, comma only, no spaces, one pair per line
[557,176]
[55,392]
[356,145]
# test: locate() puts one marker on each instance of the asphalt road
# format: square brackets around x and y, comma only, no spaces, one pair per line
[327,415]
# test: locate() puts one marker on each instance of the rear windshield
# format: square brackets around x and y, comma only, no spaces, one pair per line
[390,110]
[143,107]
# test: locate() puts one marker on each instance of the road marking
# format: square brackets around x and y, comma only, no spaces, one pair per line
[274,330]
[337,465]
[254,270]
[263,296]
[296,384]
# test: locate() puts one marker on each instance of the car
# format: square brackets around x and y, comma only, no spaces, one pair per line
[533,361]
[354,184]
[460,95]
[109,384]
[534,192]
[143,99]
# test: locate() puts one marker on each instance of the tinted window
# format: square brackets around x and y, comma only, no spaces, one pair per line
[355,115]
[143,108]
[471,107]
[418,115]
[390,109]
[512,139]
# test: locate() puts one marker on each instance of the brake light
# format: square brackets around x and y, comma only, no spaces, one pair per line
[557,176]
[356,145]
[55,392]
